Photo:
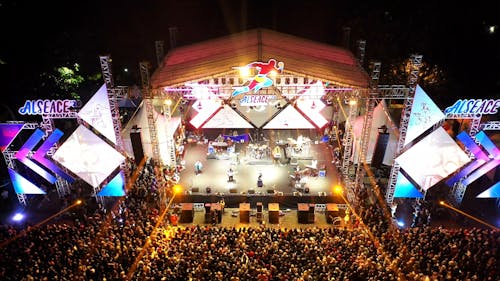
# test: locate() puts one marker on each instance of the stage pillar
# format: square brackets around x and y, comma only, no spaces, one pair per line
[187,213]
[244,212]
[216,210]
[332,211]
[259,212]
[274,213]
[303,212]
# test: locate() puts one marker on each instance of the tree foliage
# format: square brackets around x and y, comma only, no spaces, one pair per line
[63,82]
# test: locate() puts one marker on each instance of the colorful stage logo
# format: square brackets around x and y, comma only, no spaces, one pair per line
[260,80]
[41,107]
[474,107]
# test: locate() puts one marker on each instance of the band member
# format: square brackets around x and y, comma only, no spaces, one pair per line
[197,167]
[230,174]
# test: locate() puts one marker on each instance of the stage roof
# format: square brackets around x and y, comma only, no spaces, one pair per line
[301,56]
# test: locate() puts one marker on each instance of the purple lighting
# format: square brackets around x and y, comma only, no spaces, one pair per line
[18,217]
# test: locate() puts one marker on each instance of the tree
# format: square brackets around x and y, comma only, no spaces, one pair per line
[64,82]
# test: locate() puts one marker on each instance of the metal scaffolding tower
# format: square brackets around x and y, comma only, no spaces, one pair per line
[416,63]
[148,102]
[160,53]
[367,124]
[113,94]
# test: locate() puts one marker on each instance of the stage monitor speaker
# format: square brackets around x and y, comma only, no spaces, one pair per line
[259,207]
[380,147]
[303,212]
[270,191]
[244,212]
[187,213]
[274,213]
[251,191]
[135,139]
[195,189]
[233,190]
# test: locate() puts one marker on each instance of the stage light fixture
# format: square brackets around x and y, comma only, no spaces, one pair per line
[18,217]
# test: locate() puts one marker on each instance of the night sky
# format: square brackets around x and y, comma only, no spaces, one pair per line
[40,35]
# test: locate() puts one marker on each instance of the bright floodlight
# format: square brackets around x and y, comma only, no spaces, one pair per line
[492,29]
[244,71]
[337,189]
[78,202]
[353,102]
[177,188]
[401,224]
[168,102]
[18,217]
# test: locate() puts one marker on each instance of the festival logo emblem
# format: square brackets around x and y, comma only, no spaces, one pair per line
[260,80]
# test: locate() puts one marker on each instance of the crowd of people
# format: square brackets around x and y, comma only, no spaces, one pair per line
[110,244]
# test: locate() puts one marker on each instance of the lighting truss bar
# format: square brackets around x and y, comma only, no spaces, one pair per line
[490,126]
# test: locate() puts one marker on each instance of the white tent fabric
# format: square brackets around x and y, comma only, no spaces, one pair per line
[164,129]
[380,117]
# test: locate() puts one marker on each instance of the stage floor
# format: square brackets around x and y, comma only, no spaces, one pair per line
[277,177]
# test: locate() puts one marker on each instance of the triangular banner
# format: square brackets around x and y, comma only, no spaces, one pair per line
[22,185]
[405,189]
[492,192]
[115,187]
[424,114]
[227,118]
[8,133]
[97,113]
[289,118]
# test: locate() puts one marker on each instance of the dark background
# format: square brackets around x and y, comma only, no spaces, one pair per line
[38,36]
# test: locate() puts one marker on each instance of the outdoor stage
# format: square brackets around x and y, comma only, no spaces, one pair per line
[279,184]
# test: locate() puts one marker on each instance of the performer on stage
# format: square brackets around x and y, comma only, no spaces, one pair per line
[259,180]
[230,174]
[197,167]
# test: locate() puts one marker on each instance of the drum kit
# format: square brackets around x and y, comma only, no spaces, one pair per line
[257,151]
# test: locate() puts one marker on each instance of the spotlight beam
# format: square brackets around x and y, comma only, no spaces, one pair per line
[442,203]
[152,236]
[26,231]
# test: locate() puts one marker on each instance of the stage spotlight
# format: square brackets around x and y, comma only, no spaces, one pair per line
[18,217]
[400,223]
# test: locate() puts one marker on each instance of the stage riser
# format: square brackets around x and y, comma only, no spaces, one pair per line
[233,201]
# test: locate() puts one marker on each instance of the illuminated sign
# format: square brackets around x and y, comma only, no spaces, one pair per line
[256,100]
[40,107]
[260,80]
[474,106]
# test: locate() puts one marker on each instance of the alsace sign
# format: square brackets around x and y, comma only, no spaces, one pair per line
[474,106]
[256,100]
[42,107]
